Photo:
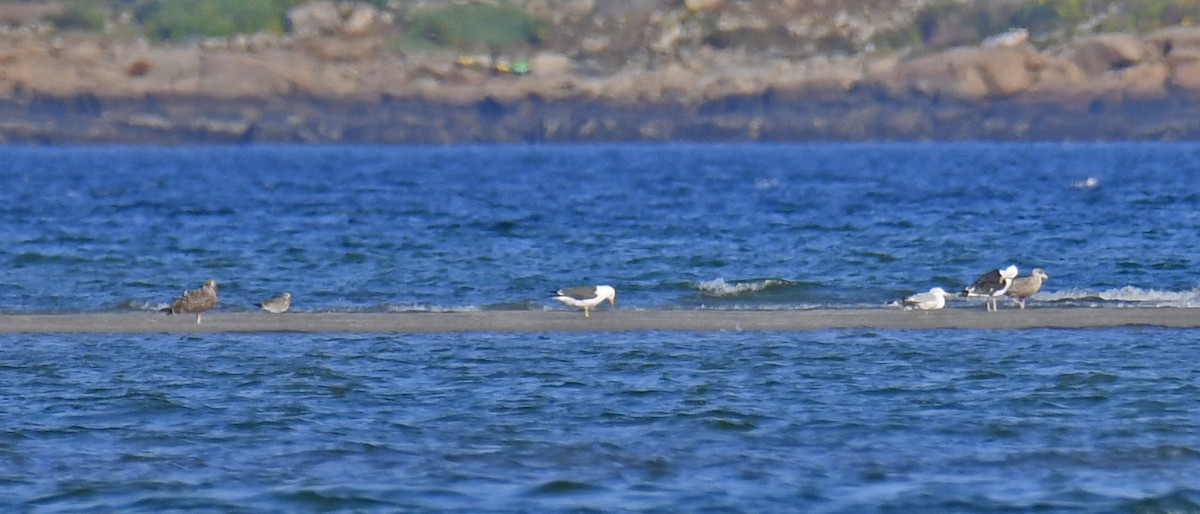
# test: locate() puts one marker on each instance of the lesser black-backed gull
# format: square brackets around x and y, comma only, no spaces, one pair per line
[586,297]
[278,304]
[933,300]
[1024,287]
[991,286]
[195,300]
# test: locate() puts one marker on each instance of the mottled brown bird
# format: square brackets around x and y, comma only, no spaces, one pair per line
[1024,287]
[278,304]
[195,300]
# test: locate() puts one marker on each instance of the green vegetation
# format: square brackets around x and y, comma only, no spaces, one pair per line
[1041,16]
[500,26]
[893,40]
[1147,15]
[475,27]
[80,15]
[946,23]
[181,19]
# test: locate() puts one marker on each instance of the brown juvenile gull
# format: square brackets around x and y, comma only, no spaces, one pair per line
[195,300]
[587,297]
[278,304]
[1024,287]
[933,300]
[991,286]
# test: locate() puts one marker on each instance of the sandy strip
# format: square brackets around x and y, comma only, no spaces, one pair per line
[603,321]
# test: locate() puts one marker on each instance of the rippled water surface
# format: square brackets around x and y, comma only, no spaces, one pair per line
[833,421]
[823,421]
[670,226]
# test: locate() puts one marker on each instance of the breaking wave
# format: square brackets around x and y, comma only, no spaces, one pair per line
[142,305]
[720,288]
[763,294]
[418,308]
[503,306]
[1133,295]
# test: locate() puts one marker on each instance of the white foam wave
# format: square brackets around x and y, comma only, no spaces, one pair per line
[719,287]
[1127,294]
[431,308]
[140,305]
[781,307]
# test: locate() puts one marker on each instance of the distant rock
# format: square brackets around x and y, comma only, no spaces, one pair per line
[339,48]
[702,5]
[243,76]
[1185,68]
[1014,37]
[361,20]
[315,19]
[965,73]
[1057,77]
[550,64]
[1144,81]
[1097,55]
[1123,64]
[1173,38]
[325,18]
[651,69]
[1181,48]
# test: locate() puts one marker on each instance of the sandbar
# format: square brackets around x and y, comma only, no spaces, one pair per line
[602,321]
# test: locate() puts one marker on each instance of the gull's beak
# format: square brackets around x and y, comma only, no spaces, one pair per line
[613,301]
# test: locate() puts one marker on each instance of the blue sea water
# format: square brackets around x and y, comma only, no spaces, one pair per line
[825,421]
[671,226]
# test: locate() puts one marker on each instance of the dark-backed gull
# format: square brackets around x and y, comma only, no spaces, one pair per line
[586,297]
[1024,287]
[278,304]
[195,300]
[933,300]
[991,286]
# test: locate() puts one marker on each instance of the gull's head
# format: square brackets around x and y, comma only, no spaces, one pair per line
[607,293]
[286,295]
[210,284]
[1037,272]
[1009,272]
[937,291]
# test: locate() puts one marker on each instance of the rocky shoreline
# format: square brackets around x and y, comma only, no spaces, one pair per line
[323,89]
[769,117]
